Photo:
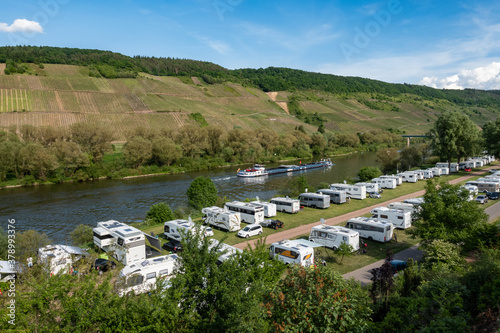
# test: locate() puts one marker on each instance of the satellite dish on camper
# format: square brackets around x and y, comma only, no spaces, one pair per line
[306,190]
[322,220]
[287,197]
[345,182]
[189,219]
[257,198]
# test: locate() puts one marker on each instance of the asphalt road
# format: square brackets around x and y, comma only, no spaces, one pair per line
[363,274]
[305,229]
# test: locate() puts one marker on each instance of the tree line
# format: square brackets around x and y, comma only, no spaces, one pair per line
[85,151]
[250,292]
[113,65]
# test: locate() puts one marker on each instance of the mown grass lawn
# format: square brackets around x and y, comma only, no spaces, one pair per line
[375,251]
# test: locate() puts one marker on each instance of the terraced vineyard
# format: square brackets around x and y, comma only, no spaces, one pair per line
[59,95]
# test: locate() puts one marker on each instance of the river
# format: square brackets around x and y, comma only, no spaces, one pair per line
[57,209]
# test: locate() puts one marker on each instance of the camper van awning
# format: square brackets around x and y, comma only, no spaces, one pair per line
[307,243]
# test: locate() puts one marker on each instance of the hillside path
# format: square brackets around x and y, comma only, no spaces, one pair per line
[306,228]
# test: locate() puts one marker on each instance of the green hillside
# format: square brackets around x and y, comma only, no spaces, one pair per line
[58,87]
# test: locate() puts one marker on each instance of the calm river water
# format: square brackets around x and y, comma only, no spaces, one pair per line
[57,209]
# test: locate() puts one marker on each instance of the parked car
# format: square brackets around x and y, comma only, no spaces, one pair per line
[173,246]
[273,224]
[468,169]
[250,230]
[493,195]
[208,232]
[374,195]
[102,265]
[482,199]
[398,265]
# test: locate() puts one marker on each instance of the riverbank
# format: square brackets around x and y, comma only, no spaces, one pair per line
[291,159]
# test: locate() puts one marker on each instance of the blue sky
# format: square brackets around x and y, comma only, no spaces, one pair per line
[450,44]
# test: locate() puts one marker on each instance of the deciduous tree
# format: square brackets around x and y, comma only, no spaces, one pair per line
[366,174]
[446,214]
[137,151]
[202,193]
[317,300]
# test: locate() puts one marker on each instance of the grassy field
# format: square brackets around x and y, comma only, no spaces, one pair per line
[59,95]
[375,251]
[311,215]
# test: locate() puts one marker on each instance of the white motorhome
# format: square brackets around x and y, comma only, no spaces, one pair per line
[60,258]
[400,218]
[269,207]
[334,236]
[372,229]
[477,162]
[415,201]
[488,179]
[370,187]
[314,200]
[226,251]
[292,252]
[419,173]
[483,186]
[472,191]
[399,179]
[426,173]
[386,182]
[409,177]
[352,191]
[466,164]
[128,244]
[221,218]
[337,197]
[286,205]
[249,213]
[176,229]
[141,276]
[436,172]
[407,207]
[453,167]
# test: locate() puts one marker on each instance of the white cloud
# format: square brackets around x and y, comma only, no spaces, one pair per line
[22,25]
[486,78]
[217,45]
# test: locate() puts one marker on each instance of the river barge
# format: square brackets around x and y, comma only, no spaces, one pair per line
[259,170]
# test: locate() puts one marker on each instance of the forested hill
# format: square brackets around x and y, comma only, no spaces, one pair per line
[115,65]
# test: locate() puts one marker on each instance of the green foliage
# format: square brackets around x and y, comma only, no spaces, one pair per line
[82,235]
[439,253]
[4,242]
[388,158]
[28,242]
[446,214]
[202,193]
[137,151]
[198,117]
[317,300]
[455,136]
[366,174]
[344,250]
[438,306]
[225,297]
[411,157]
[160,213]
[491,137]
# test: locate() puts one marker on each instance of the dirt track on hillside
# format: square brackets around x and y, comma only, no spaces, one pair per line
[306,228]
